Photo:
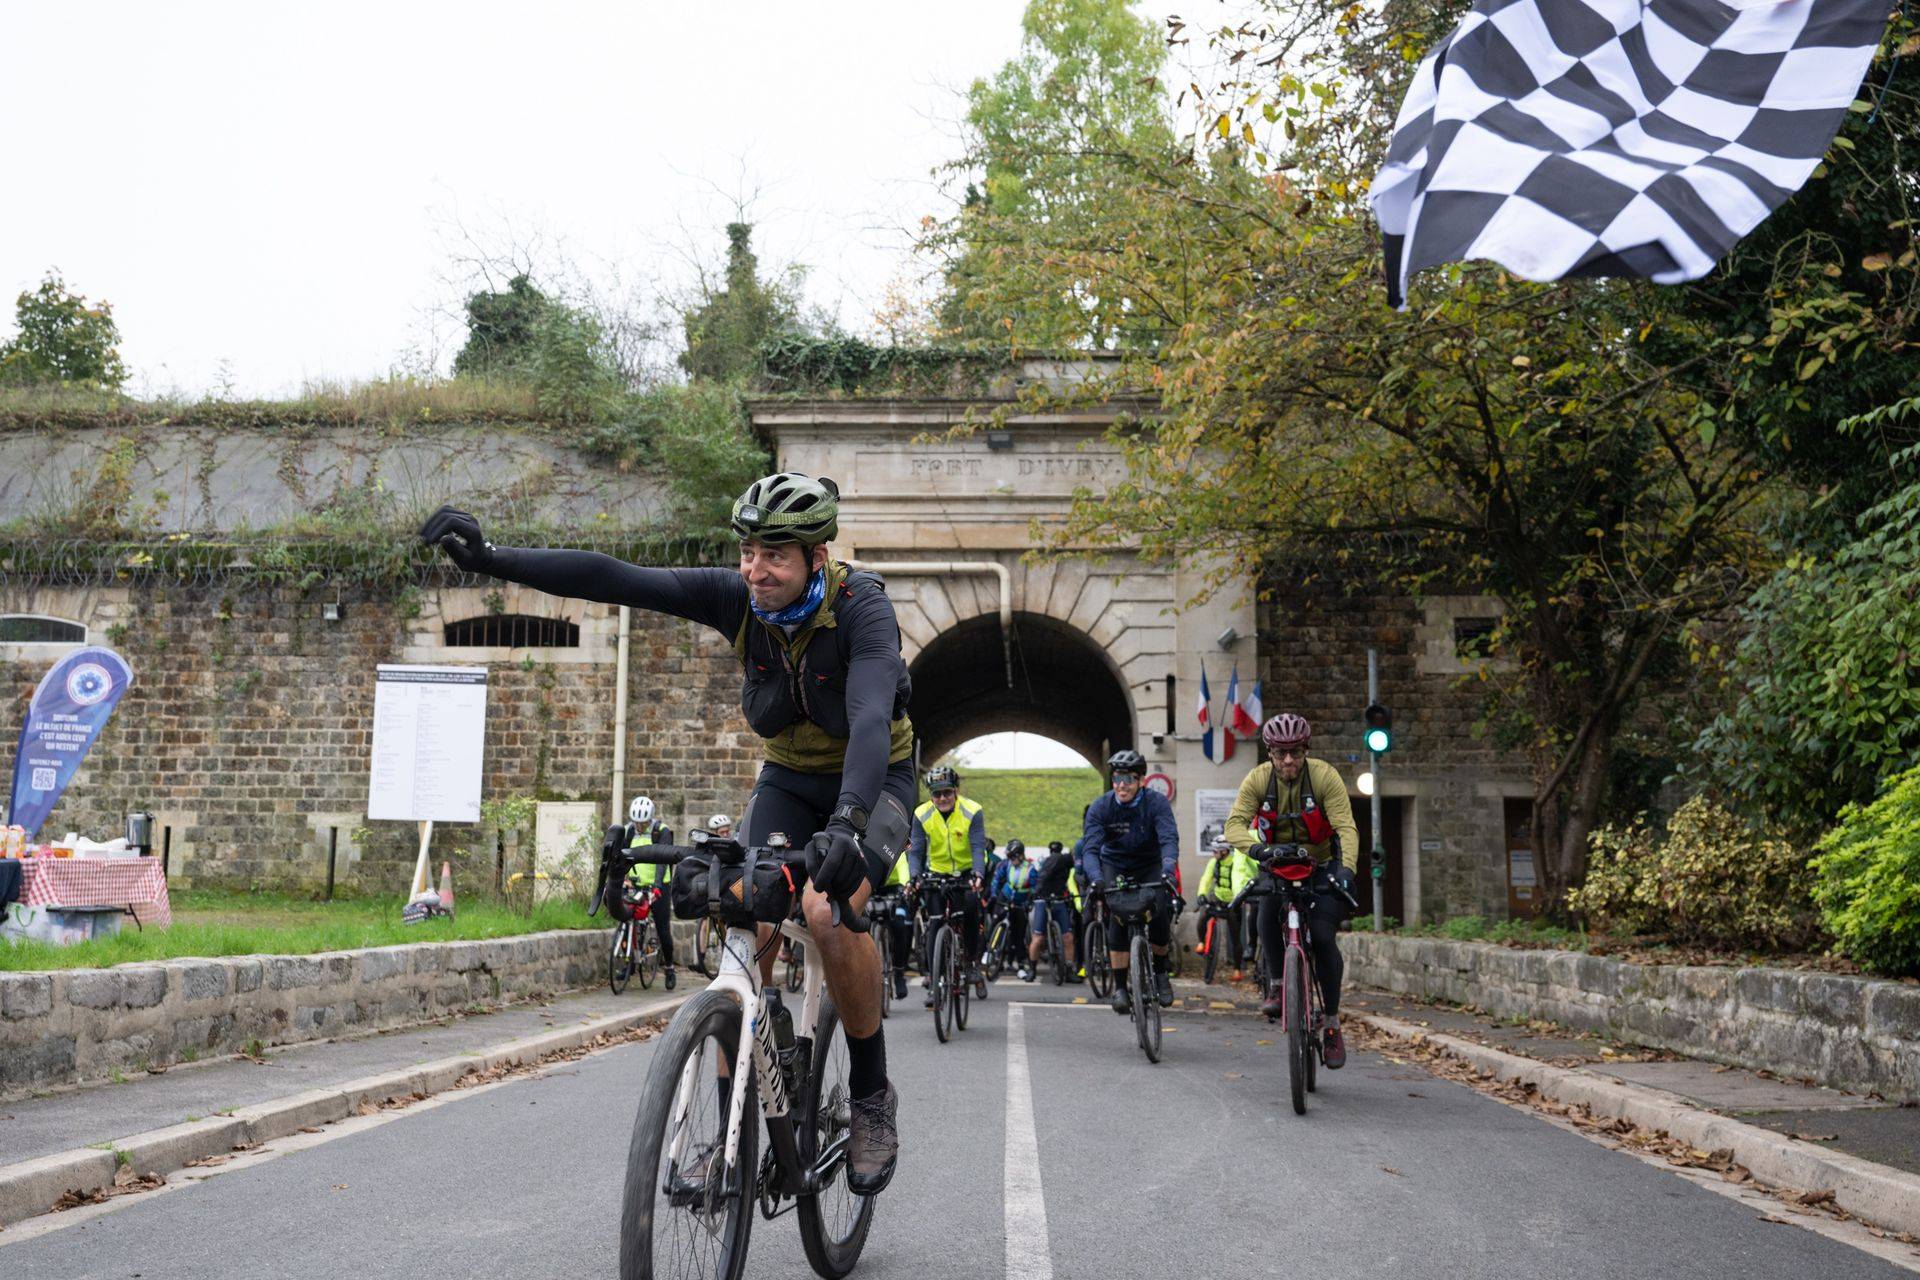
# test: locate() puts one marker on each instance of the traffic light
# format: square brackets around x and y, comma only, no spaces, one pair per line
[1379,733]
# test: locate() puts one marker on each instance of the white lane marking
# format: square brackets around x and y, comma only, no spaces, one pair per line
[1029,1256]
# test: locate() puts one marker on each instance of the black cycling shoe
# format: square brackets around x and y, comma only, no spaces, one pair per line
[899,986]
[671,979]
[1163,988]
[1122,1001]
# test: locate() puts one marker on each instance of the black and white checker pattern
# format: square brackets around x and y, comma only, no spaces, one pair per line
[1614,137]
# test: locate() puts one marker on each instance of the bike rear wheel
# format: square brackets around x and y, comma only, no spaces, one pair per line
[1093,954]
[648,962]
[833,1221]
[1210,939]
[1146,1002]
[883,947]
[708,938]
[796,967]
[1054,941]
[940,973]
[670,1224]
[620,958]
[1294,985]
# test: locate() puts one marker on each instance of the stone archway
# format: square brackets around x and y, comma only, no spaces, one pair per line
[1065,687]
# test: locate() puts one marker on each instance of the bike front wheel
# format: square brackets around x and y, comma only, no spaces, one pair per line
[1093,954]
[940,974]
[1294,985]
[1210,938]
[684,1211]
[1059,956]
[957,984]
[883,947]
[833,1221]
[1146,1001]
[620,958]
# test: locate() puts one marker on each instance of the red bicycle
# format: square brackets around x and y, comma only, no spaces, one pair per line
[1285,870]
[635,947]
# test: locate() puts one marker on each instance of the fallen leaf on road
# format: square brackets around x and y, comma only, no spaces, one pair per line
[1234,1075]
[307,1128]
[339,1186]
[205,1161]
[1774,1217]
[1811,1197]
[1721,1070]
[1387,1168]
[1263,1042]
[1814,1137]
[1412,1094]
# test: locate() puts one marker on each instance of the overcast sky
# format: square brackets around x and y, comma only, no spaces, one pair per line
[279,187]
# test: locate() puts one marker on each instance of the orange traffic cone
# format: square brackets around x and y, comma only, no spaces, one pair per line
[446,887]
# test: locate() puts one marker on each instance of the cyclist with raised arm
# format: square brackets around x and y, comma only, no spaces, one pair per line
[648,878]
[1292,799]
[826,689]
[1130,831]
[949,838]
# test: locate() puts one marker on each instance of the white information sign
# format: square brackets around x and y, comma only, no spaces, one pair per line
[1210,809]
[429,729]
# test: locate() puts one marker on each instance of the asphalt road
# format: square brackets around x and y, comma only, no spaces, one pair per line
[1195,1167]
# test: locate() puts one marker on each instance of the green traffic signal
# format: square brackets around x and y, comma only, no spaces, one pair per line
[1379,732]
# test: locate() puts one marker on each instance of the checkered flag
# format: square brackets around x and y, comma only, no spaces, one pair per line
[1614,138]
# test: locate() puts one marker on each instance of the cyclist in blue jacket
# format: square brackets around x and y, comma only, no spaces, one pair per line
[1131,831]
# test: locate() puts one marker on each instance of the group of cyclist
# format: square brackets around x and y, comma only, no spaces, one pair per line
[825,686]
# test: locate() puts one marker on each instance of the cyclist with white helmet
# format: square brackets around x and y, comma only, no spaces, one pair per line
[1295,800]
[720,826]
[644,828]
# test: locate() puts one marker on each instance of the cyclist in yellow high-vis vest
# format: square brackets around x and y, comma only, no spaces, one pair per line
[949,837]
[647,877]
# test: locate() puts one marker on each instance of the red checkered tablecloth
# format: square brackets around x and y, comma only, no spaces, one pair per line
[99,882]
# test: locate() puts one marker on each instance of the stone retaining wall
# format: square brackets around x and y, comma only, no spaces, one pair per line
[72,1025]
[1851,1033]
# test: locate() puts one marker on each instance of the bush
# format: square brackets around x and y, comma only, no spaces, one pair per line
[1868,884]
[1711,880]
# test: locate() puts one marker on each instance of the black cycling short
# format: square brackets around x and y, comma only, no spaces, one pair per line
[797,805]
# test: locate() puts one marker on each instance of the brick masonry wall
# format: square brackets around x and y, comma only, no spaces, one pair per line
[1851,1033]
[248,729]
[73,1025]
[1313,646]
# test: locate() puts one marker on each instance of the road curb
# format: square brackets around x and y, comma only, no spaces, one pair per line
[31,1187]
[1875,1193]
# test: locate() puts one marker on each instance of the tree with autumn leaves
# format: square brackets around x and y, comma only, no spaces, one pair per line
[1619,462]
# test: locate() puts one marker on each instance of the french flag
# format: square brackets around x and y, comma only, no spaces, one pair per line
[1233,696]
[1205,715]
[1245,716]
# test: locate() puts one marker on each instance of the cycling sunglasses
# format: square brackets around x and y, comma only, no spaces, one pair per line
[945,791]
[1119,778]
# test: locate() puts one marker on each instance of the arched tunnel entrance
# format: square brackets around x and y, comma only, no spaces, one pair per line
[1064,687]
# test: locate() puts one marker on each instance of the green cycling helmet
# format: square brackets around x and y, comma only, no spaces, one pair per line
[788,507]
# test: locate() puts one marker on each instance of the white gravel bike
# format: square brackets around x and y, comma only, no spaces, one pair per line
[694,1169]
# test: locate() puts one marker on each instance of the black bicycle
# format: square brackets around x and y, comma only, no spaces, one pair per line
[1052,947]
[1133,903]
[1093,944]
[880,914]
[946,974]
[1006,941]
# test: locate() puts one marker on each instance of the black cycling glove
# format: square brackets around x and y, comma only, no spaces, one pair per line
[835,863]
[459,535]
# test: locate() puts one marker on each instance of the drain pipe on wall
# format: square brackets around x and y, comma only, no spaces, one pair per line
[930,568]
[615,813]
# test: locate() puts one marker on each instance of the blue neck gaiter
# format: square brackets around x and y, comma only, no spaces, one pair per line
[800,610]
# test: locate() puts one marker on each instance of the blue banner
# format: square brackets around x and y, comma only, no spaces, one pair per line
[67,713]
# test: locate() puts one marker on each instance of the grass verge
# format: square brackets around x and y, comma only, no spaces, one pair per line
[211,923]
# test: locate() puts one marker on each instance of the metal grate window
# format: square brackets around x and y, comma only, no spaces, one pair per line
[512,631]
[26,628]
[1473,637]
